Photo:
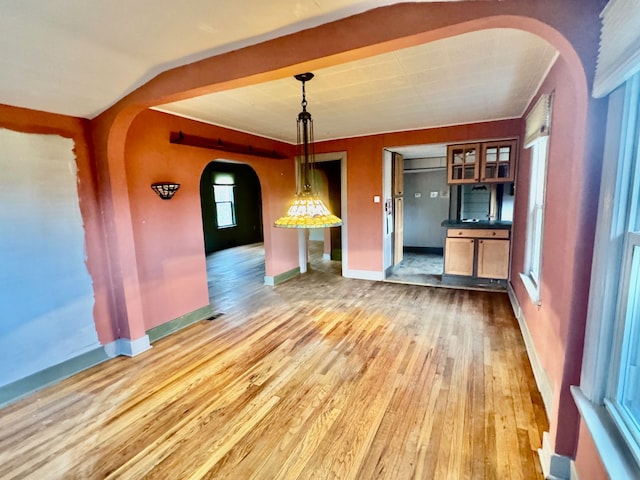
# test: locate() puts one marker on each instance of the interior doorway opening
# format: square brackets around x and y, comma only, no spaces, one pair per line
[424,194]
[231,201]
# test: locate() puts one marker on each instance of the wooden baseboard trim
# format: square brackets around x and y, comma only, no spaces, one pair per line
[179,323]
[37,381]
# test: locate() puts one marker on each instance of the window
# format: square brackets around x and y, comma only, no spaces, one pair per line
[609,394]
[225,207]
[623,395]
[537,140]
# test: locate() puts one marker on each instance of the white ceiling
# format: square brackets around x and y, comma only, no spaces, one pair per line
[77,57]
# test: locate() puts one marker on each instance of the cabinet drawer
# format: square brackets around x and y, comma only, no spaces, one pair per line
[478,233]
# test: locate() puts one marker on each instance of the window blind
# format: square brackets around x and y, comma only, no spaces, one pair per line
[619,54]
[538,121]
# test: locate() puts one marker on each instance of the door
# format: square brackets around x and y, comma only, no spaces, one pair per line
[398,233]
[398,207]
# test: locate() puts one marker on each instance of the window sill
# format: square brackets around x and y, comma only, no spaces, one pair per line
[532,289]
[614,452]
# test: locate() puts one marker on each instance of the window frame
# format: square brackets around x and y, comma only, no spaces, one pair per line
[532,272]
[627,330]
[617,236]
[537,141]
[231,202]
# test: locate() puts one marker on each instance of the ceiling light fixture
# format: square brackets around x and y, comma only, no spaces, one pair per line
[307,209]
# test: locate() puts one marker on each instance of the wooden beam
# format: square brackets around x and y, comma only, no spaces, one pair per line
[224,146]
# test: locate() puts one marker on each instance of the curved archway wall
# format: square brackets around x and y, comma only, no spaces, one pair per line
[167,235]
[125,172]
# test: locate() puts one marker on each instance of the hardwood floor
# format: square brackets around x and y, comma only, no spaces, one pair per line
[321,377]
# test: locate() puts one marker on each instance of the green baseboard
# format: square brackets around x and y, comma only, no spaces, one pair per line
[14,391]
[281,278]
[179,323]
[37,381]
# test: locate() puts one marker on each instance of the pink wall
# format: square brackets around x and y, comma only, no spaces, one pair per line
[146,255]
[588,462]
[168,234]
[557,326]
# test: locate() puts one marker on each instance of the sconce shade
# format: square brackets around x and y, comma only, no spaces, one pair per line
[165,190]
[306,210]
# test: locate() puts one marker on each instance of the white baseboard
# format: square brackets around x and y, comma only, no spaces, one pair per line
[554,466]
[542,381]
[363,275]
[129,348]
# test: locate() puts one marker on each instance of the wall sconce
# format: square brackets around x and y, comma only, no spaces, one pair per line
[165,190]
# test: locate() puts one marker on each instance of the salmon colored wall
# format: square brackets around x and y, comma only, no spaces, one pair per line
[588,462]
[564,24]
[364,179]
[168,234]
[557,326]
[31,121]
[571,27]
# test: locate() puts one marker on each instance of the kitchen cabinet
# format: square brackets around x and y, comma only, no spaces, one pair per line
[459,256]
[493,258]
[397,174]
[463,163]
[498,161]
[482,162]
[477,253]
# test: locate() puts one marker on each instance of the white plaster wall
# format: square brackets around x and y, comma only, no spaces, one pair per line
[46,293]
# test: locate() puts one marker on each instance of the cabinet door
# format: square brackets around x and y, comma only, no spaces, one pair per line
[493,258]
[458,256]
[463,163]
[398,174]
[498,161]
[398,234]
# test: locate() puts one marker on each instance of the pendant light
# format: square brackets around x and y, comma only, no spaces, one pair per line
[306,210]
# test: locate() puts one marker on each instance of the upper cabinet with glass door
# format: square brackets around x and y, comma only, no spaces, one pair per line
[463,163]
[483,162]
[498,161]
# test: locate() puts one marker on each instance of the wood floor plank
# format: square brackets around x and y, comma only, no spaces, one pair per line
[321,377]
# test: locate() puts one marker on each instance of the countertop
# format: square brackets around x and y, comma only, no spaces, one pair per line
[495,224]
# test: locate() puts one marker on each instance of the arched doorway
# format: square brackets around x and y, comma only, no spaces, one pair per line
[231,201]
[230,196]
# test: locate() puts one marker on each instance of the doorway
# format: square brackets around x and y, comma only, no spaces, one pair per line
[231,201]
[327,247]
[425,198]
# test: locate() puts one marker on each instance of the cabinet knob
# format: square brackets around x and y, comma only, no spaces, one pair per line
[493,233]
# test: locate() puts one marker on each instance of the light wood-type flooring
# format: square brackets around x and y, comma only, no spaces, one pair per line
[321,377]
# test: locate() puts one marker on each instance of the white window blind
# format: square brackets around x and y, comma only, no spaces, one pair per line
[538,121]
[619,55]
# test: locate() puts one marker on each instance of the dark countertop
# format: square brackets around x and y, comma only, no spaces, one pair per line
[494,224]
